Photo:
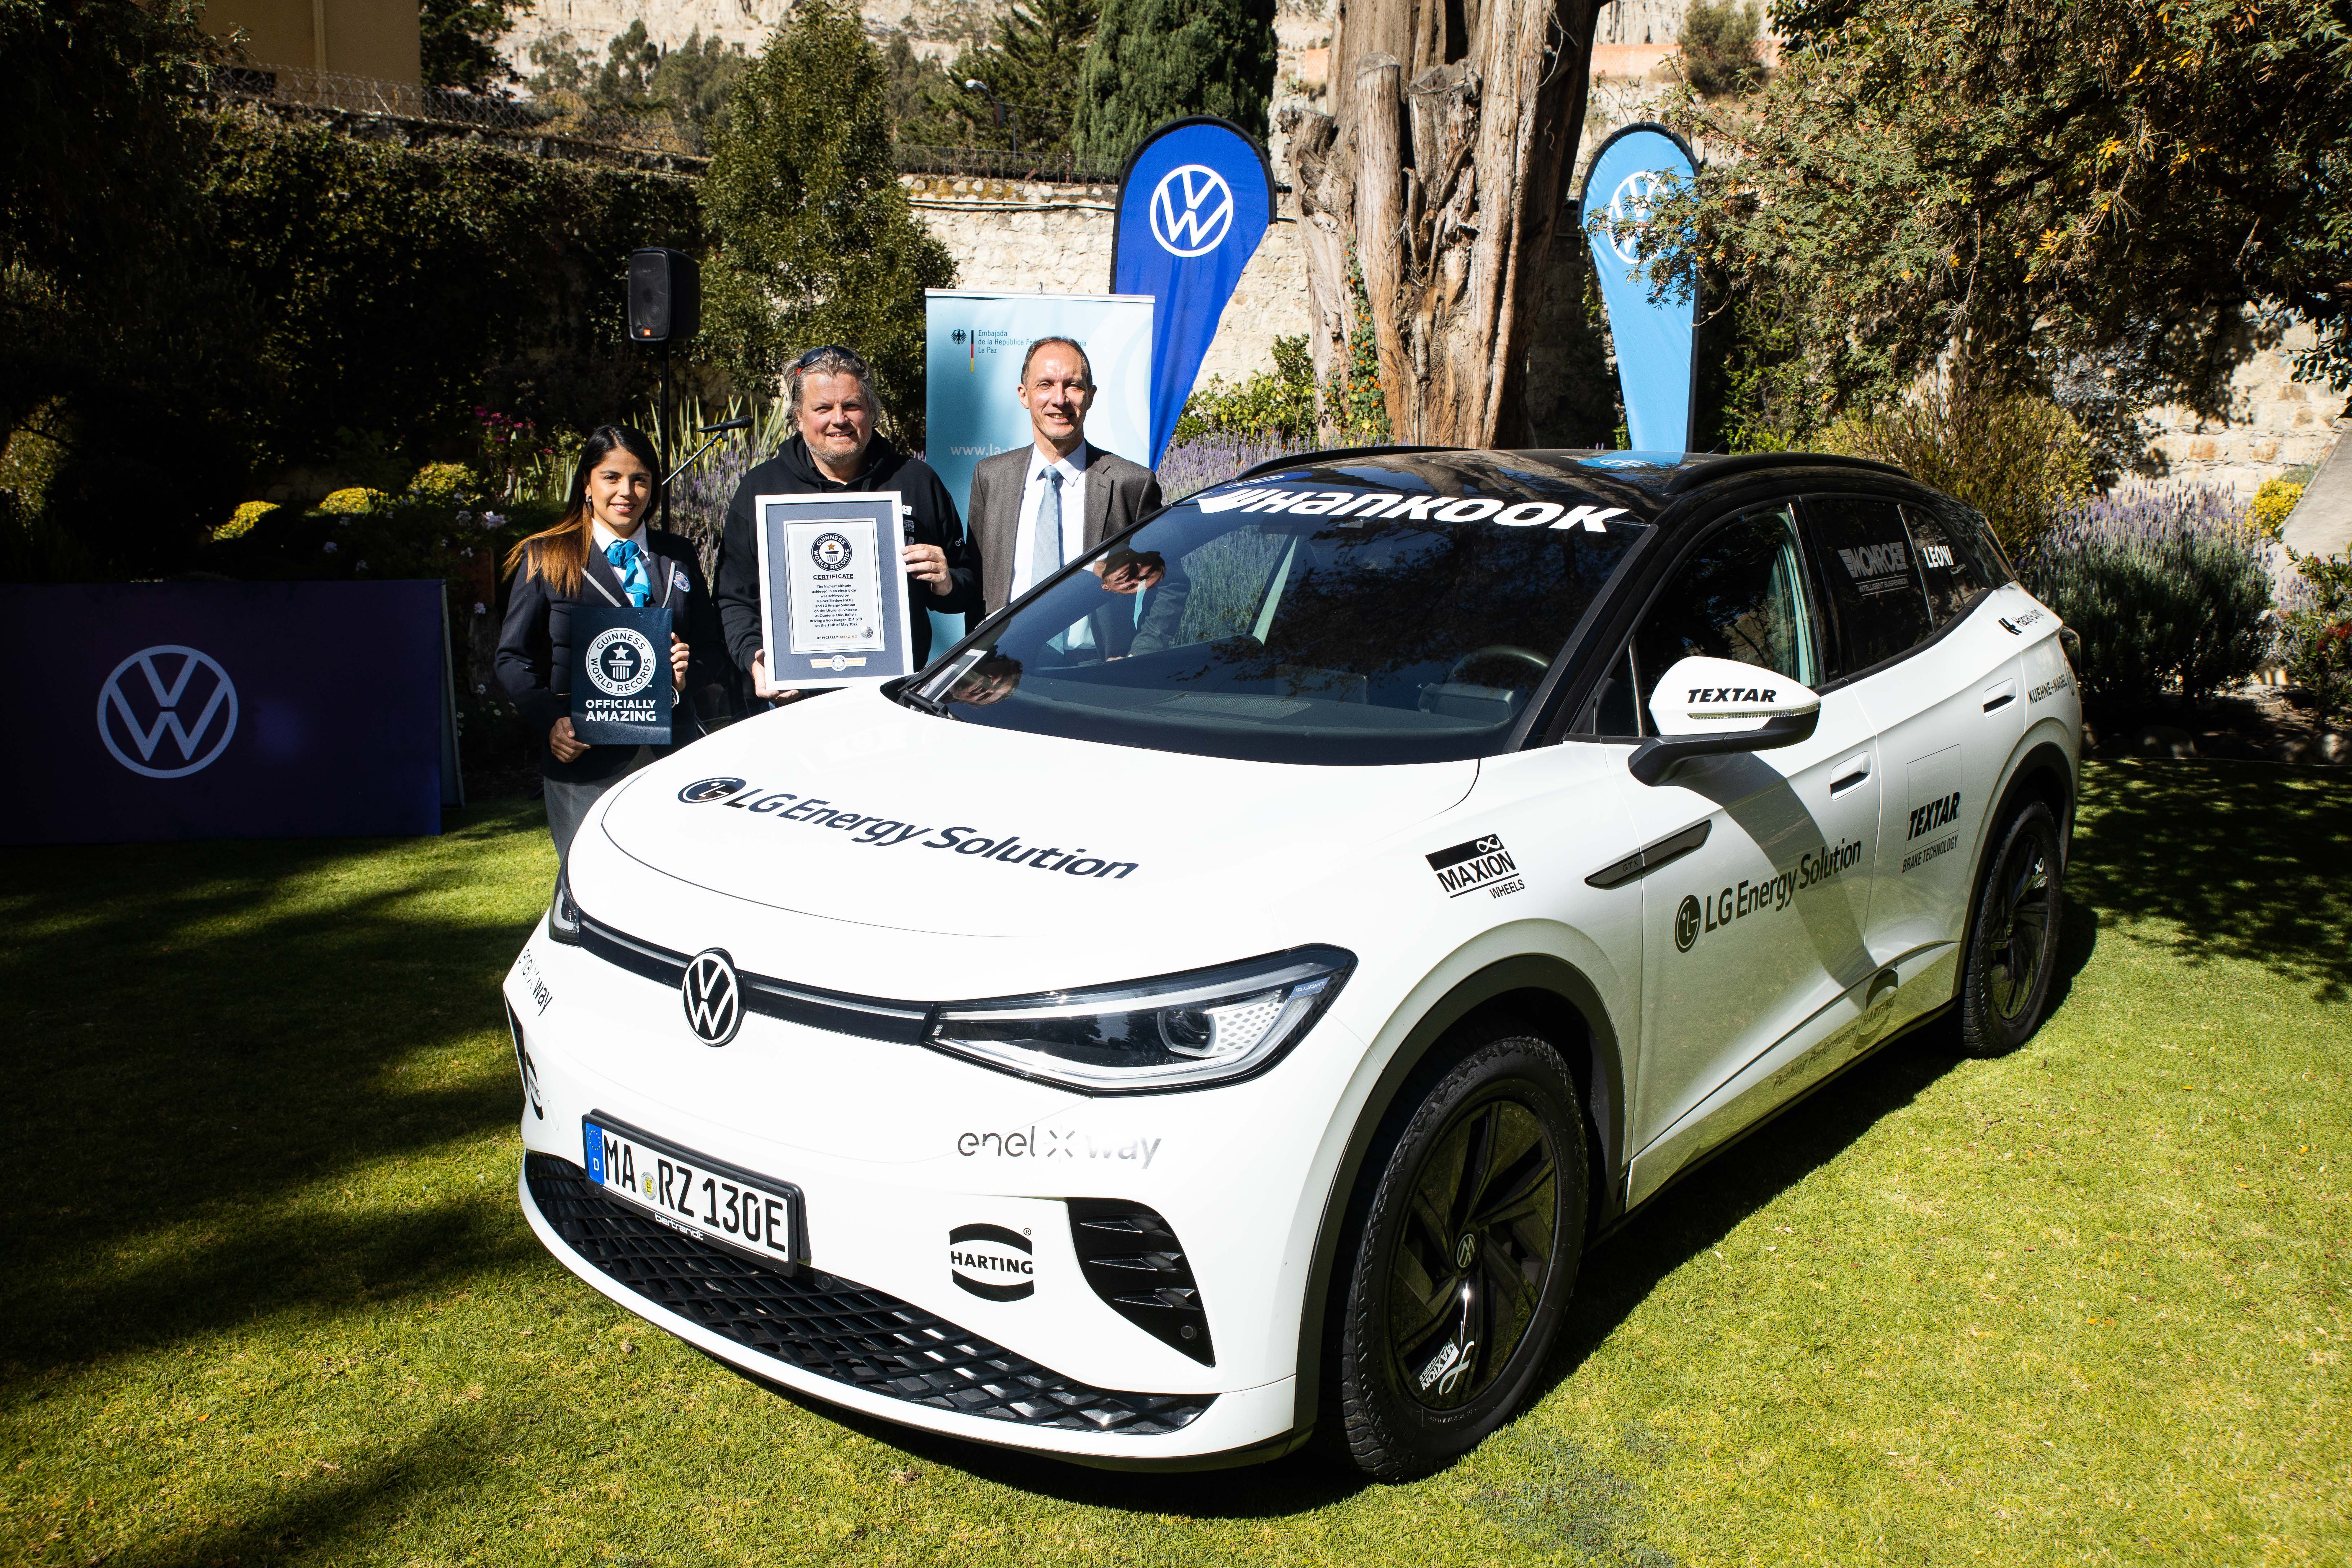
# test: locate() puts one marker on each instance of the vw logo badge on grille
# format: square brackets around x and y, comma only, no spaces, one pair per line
[702,790]
[714,997]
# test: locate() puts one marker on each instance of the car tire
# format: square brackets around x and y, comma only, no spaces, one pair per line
[2013,937]
[1469,1243]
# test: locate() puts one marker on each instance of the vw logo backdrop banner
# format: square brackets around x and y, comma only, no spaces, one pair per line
[227,710]
[1655,338]
[1194,204]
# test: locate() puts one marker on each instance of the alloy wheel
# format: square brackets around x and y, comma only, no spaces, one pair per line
[2016,960]
[1473,1252]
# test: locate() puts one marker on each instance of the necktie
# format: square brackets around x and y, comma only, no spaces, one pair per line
[629,562]
[1045,542]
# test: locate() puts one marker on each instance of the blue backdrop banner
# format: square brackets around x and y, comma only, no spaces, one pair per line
[226,710]
[1655,338]
[1193,205]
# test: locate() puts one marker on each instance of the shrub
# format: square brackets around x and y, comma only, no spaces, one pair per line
[241,521]
[1278,405]
[1190,466]
[357,502]
[2315,632]
[2018,457]
[1719,52]
[2272,502]
[2170,591]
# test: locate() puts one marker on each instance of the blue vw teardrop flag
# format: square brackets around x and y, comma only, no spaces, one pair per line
[1193,205]
[1655,338]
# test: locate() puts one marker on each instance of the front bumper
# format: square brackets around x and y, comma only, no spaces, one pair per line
[881,1138]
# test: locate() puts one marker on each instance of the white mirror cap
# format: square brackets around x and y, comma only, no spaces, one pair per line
[1701,696]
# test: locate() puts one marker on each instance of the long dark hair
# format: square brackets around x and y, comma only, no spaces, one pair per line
[559,554]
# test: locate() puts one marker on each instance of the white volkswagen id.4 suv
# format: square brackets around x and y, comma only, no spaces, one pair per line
[1180,1018]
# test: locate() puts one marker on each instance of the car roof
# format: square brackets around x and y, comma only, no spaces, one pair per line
[1645,484]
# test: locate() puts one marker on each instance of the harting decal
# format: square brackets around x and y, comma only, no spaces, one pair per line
[1767,896]
[991,1262]
[1482,865]
[877,832]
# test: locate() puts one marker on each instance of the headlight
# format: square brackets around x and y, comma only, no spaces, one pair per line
[562,914]
[1178,1031]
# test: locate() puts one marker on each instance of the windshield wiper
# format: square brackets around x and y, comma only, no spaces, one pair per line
[914,698]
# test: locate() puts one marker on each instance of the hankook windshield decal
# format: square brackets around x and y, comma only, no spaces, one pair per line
[1388,505]
[889,832]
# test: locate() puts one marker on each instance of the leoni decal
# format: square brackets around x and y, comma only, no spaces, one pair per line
[1390,505]
[1056,1143]
[991,1262]
[878,832]
[1480,865]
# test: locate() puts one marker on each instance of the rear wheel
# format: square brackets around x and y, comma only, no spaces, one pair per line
[1465,1255]
[2013,939]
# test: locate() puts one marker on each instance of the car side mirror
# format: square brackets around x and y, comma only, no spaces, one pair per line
[1706,707]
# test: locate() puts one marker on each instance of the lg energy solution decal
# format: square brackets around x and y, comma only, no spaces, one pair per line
[873,831]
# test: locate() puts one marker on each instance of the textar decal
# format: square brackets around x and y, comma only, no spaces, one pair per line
[991,1262]
[1704,694]
[1056,1143]
[1480,864]
[878,832]
[1815,866]
[1936,814]
[1390,505]
[1920,856]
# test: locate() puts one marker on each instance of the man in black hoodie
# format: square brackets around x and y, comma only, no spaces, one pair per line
[829,393]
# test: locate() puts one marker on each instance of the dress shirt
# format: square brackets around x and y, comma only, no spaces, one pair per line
[1073,513]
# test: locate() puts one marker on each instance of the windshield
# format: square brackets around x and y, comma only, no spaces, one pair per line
[1294,620]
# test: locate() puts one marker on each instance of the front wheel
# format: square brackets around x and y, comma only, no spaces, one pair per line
[1464,1257]
[2013,938]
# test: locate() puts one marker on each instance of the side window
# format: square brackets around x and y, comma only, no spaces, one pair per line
[1947,565]
[1612,711]
[1742,596]
[1874,579]
[1972,536]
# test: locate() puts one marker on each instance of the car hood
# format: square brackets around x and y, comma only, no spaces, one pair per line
[855,809]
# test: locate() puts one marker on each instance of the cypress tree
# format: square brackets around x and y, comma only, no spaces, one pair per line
[814,241]
[1157,60]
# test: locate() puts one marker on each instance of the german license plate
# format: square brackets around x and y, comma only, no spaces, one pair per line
[704,1198]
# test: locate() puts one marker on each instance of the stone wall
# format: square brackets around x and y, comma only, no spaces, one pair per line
[2273,422]
[1056,239]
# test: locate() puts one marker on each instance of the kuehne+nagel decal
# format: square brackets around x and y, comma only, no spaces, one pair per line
[1480,865]
[877,832]
[991,1262]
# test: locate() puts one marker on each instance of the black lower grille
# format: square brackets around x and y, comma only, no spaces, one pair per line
[830,1327]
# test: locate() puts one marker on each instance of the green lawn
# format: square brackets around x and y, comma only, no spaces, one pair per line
[268,1300]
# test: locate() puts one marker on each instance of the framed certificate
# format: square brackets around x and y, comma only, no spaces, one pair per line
[832,591]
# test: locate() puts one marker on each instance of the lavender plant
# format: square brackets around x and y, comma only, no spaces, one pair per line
[2168,588]
[1190,466]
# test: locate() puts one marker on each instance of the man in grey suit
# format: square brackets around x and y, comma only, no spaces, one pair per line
[1050,502]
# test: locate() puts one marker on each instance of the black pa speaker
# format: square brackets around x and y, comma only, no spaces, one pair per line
[665,295]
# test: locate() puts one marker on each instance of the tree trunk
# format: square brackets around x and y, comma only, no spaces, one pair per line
[1444,172]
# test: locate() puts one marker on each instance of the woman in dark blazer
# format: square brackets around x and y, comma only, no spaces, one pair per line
[601,552]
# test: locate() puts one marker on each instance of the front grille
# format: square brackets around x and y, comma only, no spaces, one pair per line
[831,1327]
[901,1023]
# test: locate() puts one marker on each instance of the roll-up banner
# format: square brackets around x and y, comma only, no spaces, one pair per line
[228,711]
[973,340]
[1655,338]
[1194,204]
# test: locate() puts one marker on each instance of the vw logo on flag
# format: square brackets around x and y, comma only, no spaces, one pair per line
[1191,210]
[191,699]
[1630,206]
[714,1001]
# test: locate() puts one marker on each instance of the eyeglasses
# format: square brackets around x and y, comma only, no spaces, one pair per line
[813,355]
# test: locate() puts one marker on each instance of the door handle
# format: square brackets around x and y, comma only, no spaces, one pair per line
[1850,772]
[1999,696]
